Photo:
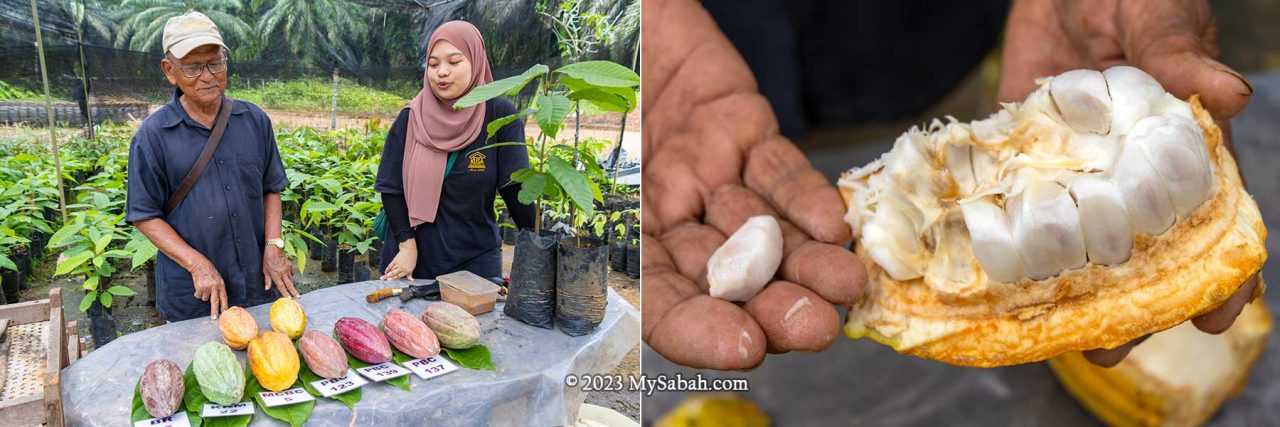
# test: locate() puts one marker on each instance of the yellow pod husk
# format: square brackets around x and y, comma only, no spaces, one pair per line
[1179,377]
[273,360]
[288,318]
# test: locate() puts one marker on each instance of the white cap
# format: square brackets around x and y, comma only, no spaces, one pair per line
[186,32]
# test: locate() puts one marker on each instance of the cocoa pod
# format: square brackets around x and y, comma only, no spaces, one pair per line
[288,318]
[219,374]
[273,360]
[410,335]
[363,340]
[237,327]
[454,327]
[324,356]
[161,388]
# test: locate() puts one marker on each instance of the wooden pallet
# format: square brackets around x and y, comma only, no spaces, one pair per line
[36,342]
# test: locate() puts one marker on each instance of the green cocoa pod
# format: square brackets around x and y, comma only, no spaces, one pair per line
[455,328]
[219,374]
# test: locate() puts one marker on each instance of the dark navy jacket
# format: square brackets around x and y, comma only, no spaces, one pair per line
[223,216]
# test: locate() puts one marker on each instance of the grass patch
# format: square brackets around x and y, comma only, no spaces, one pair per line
[9,92]
[315,94]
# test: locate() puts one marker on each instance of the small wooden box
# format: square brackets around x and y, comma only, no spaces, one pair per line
[469,291]
[35,393]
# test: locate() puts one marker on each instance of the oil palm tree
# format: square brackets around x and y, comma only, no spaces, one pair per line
[318,29]
[142,21]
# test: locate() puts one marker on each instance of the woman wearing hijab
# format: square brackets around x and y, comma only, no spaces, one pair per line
[437,190]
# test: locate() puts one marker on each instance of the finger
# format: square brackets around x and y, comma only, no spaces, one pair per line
[222,298]
[1177,44]
[1221,318]
[690,246]
[1034,46]
[213,307]
[778,171]
[266,276]
[1107,358]
[794,318]
[288,283]
[833,272]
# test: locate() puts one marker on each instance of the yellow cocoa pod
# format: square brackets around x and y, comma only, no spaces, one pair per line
[273,360]
[287,318]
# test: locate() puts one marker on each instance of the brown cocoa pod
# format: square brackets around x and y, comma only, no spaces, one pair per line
[161,388]
[324,356]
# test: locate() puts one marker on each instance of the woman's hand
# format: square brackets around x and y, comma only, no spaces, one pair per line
[403,264]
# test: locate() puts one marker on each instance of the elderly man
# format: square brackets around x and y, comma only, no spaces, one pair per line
[214,216]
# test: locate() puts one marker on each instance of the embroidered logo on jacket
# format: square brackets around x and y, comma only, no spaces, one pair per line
[476,163]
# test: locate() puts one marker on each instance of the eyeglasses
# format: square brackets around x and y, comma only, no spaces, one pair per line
[195,70]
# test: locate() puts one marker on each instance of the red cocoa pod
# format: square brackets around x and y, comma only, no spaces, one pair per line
[161,388]
[363,340]
[324,356]
[410,335]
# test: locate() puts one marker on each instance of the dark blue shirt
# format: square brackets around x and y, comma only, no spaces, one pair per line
[464,235]
[222,216]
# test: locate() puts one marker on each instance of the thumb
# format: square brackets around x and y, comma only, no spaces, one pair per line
[1177,44]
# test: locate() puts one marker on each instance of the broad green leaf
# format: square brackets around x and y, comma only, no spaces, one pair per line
[105,298]
[318,206]
[142,255]
[522,174]
[575,185]
[5,262]
[603,99]
[532,188]
[59,238]
[496,124]
[587,90]
[99,260]
[91,284]
[602,73]
[72,262]
[509,86]
[476,357]
[295,414]
[121,291]
[88,300]
[552,110]
[100,244]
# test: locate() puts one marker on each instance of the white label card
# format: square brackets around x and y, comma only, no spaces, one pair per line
[431,367]
[287,397]
[178,419]
[213,410]
[383,371]
[336,386]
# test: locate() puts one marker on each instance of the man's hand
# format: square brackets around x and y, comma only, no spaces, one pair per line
[713,158]
[403,264]
[1173,40]
[209,287]
[277,269]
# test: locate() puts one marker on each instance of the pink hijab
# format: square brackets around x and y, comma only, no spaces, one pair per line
[436,129]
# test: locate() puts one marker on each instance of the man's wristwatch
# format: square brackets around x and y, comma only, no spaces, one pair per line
[279,243]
